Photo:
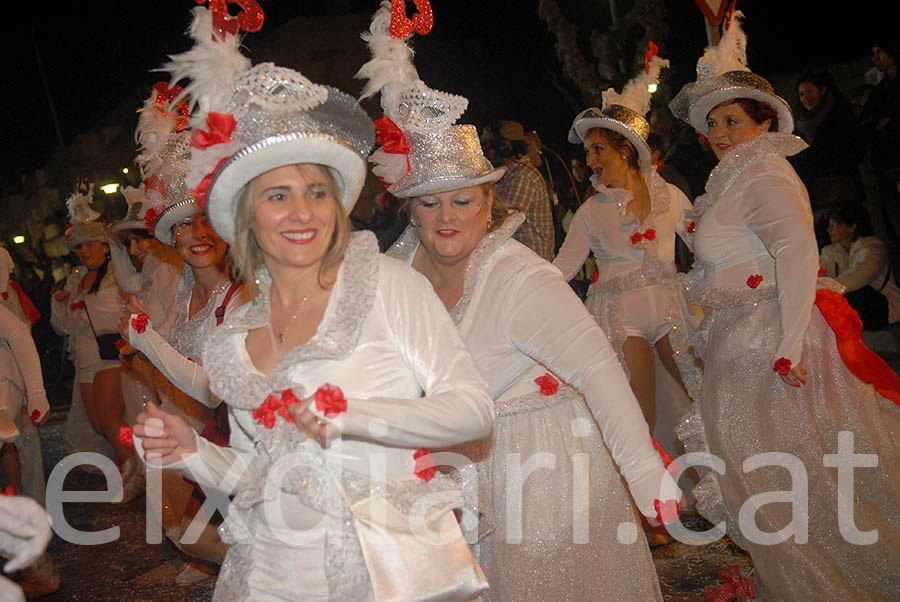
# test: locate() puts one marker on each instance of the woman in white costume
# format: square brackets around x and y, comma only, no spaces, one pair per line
[783,360]
[88,309]
[334,322]
[630,225]
[555,535]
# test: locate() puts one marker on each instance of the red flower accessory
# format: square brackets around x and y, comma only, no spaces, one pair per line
[754,280]
[692,227]
[652,51]
[782,366]
[822,272]
[402,26]
[5,295]
[9,491]
[330,400]
[120,343]
[648,234]
[424,467]
[219,127]
[548,384]
[139,323]
[77,305]
[734,587]
[126,436]
[150,218]
[390,136]
[666,512]
[35,415]
[274,405]
[594,277]
[199,193]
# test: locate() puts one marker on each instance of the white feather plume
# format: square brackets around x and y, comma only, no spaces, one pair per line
[210,67]
[730,54]
[153,128]
[391,69]
[636,93]
[79,206]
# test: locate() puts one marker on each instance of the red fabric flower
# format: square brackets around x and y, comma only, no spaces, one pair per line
[273,406]
[219,127]
[822,272]
[77,305]
[782,366]
[150,218]
[5,295]
[754,280]
[636,238]
[35,415]
[199,193]
[734,587]
[330,400]
[9,491]
[548,384]
[390,136]
[692,227]
[287,398]
[424,467]
[120,343]
[595,276]
[139,323]
[126,436]
[666,512]
[650,234]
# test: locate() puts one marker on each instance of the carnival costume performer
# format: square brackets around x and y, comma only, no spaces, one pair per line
[630,225]
[88,310]
[526,331]
[785,371]
[204,297]
[336,323]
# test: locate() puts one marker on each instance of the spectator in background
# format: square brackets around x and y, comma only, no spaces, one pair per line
[880,121]
[860,262]
[829,167]
[523,187]
[683,149]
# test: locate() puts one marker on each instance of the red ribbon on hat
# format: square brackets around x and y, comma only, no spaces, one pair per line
[199,193]
[652,51]
[250,19]
[390,136]
[219,127]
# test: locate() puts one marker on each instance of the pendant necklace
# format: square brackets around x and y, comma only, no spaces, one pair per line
[292,318]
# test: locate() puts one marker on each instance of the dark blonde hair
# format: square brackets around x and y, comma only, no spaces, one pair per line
[245,252]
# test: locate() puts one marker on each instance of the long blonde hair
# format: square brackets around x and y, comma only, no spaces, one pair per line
[246,254]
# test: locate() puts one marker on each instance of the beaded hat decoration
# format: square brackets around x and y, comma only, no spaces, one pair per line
[249,120]
[84,225]
[421,150]
[624,112]
[722,76]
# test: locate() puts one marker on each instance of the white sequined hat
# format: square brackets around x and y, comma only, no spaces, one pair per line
[421,149]
[722,76]
[249,120]
[624,113]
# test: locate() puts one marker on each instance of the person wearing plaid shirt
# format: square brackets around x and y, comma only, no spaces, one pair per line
[523,187]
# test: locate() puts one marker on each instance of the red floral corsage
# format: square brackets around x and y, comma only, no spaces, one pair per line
[126,435]
[648,234]
[782,366]
[139,323]
[666,512]
[77,305]
[822,272]
[120,343]
[594,277]
[424,467]
[691,227]
[734,587]
[35,415]
[548,384]
[330,400]
[273,406]
[754,280]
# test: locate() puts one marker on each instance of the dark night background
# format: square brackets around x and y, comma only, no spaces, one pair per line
[96,53]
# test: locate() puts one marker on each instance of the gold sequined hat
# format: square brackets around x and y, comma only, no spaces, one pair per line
[624,113]
[421,150]
[722,76]
[249,120]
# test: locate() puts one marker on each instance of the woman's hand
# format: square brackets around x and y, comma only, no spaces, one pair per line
[132,307]
[61,296]
[796,377]
[166,435]
[312,425]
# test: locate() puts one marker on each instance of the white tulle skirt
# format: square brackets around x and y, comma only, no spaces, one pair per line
[559,539]
[745,409]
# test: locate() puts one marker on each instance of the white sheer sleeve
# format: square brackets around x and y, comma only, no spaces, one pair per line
[128,278]
[575,247]
[18,335]
[456,406]
[550,324]
[185,374]
[773,208]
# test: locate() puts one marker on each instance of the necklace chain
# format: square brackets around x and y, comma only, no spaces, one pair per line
[292,318]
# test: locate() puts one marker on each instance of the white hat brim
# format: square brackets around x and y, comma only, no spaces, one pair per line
[436,186]
[583,126]
[171,215]
[699,111]
[278,151]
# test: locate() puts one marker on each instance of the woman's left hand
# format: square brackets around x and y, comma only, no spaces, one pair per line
[796,377]
[312,425]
